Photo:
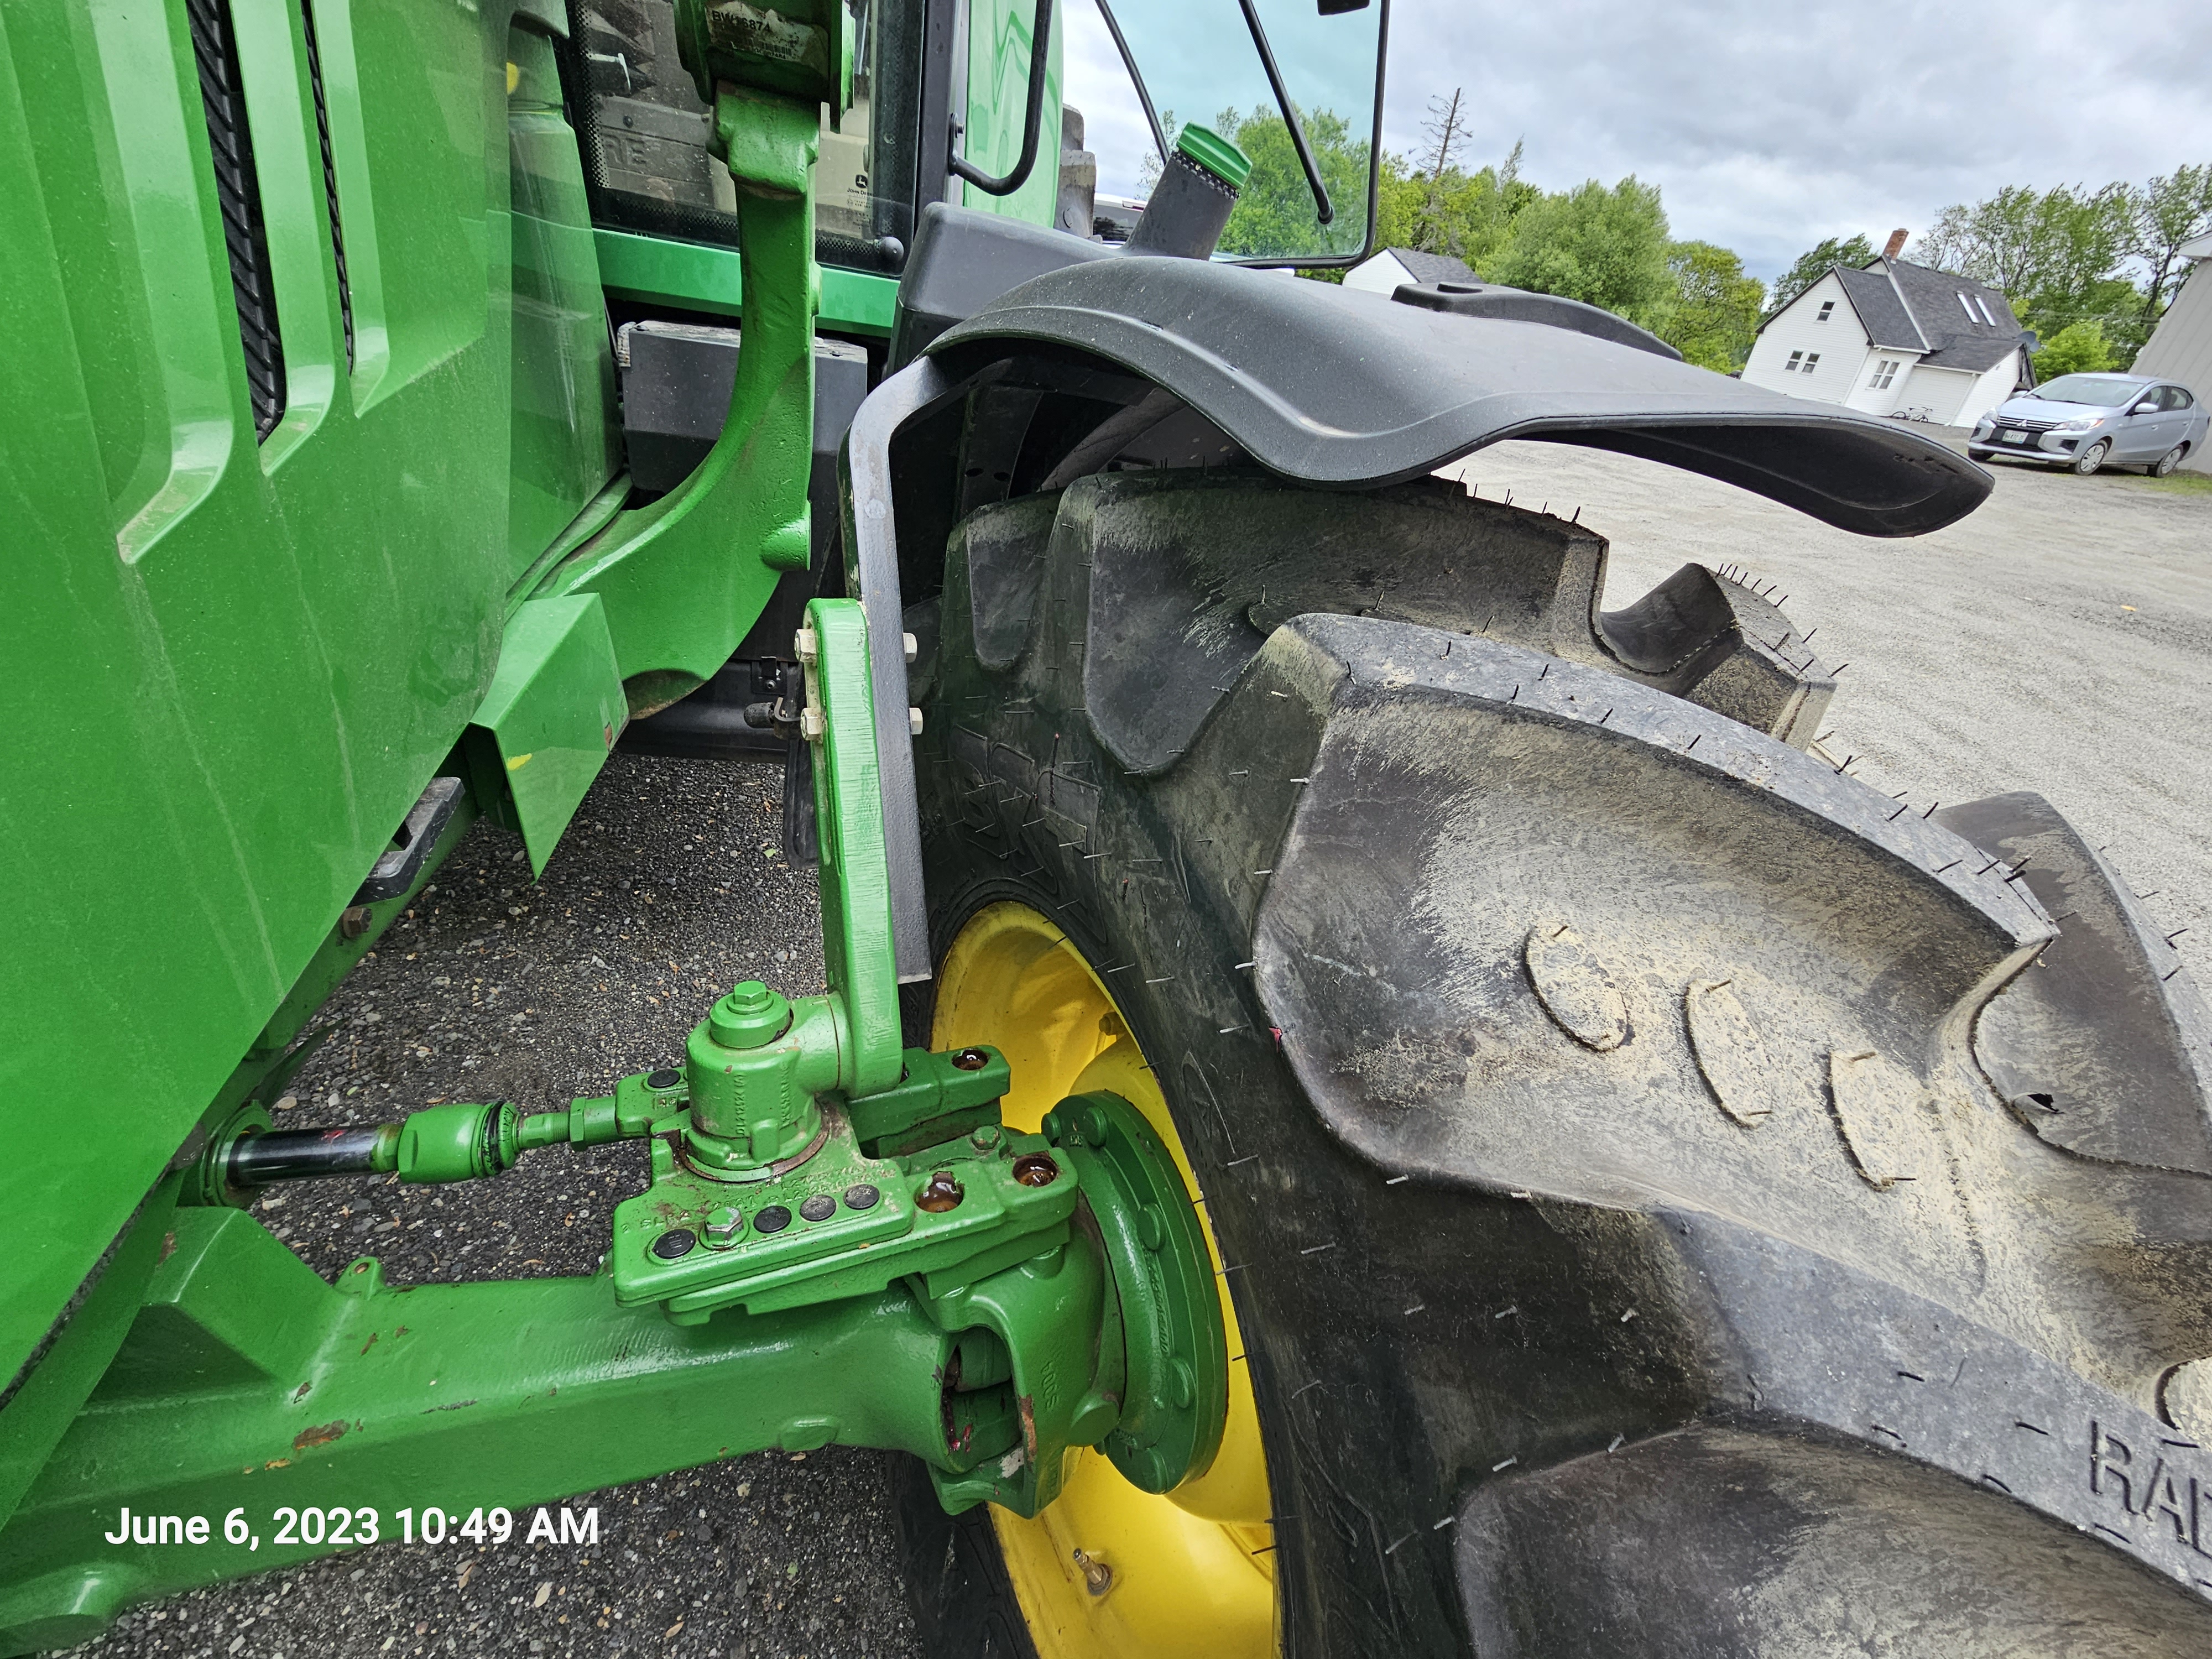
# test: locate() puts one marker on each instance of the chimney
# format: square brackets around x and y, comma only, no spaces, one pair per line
[1896,243]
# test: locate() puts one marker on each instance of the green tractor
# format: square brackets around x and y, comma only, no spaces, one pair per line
[1363,1102]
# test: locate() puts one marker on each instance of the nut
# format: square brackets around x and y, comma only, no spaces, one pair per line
[807,645]
[913,646]
[724,1226]
[809,724]
[914,722]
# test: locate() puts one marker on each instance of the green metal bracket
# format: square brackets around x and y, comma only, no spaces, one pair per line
[550,720]
[685,576]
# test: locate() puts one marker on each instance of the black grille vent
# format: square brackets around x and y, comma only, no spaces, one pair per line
[239,193]
[330,177]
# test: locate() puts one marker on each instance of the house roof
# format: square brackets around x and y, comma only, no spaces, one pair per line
[1431,267]
[1909,307]
[1880,308]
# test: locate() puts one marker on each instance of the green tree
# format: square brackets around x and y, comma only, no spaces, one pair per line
[1604,247]
[2079,348]
[1275,213]
[1854,251]
[2056,254]
[1714,314]
[2169,211]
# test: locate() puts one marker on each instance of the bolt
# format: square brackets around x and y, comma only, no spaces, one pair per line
[806,647]
[666,1078]
[809,724]
[674,1244]
[862,1197]
[1097,1577]
[971,1060]
[1094,1124]
[353,920]
[1035,1169]
[724,1224]
[773,1219]
[984,1137]
[941,1192]
[820,1207]
[912,645]
[914,722]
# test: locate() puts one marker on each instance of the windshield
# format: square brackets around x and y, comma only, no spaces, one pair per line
[1200,61]
[2099,390]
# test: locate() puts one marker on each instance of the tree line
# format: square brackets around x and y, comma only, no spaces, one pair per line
[2090,270]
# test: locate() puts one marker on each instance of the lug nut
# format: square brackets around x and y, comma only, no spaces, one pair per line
[809,724]
[820,1207]
[805,646]
[1035,1169]
[971,1060]
[724,1226]
[942,1193]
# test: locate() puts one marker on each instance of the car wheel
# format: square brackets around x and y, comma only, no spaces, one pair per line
[1974,455]
[2091,457]
[2165,463]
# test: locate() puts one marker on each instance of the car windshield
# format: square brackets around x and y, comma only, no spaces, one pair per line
[2097,391]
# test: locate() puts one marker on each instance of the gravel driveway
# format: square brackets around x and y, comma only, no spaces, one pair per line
[2060,638]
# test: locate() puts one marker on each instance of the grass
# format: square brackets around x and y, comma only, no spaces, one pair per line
[2183,483]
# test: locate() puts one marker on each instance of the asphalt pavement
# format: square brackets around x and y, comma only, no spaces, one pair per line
[2060,638]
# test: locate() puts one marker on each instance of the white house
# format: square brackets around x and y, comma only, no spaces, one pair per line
[1383,272]
[1895,335]
[2181,349]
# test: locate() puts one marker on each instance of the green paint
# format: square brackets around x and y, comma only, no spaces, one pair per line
[699,277]
[998,99]
[550,718]
[1207,149]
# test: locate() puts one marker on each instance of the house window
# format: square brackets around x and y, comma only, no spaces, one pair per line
[1796,358]
[1827,307]
[1982,306]
[1885,374]
[1812,360]
[1967,306]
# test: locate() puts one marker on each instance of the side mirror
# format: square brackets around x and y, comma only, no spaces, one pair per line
[2144,408]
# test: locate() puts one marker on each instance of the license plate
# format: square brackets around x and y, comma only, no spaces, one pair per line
[2015,437]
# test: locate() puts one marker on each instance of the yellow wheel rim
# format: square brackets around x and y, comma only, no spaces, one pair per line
[1109,1571]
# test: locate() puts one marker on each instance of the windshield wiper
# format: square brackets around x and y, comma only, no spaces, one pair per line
[1322,207]
[1136,79]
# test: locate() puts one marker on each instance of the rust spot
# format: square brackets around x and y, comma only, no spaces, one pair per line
[371,1343]
[308,1439]
[300,1393]
[278,1463]
[458,1405]
[1027,1405]
[169,1246]
[402,1331]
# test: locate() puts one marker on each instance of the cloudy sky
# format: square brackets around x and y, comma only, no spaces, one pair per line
[1767,126]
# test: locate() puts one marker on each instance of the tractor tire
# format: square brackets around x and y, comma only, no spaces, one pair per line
[1671,1199]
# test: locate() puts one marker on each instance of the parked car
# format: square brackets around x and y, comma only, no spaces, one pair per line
[2087,421]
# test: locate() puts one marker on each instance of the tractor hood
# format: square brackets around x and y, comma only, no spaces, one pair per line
[1339,387]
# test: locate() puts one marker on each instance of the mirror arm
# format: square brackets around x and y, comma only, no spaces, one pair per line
[1136,79]
[1040,61]
[1321,207]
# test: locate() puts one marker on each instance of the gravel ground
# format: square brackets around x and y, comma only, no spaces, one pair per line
[2059,640]
[665,893]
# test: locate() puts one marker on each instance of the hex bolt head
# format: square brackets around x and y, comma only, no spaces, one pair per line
[820,1207]
[913,647]
[749,1018]
[809,724]
[914,722]
[805,646]
[675,1245]
[354,920]
[862,1196]
[725,1226]
[984,1136]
